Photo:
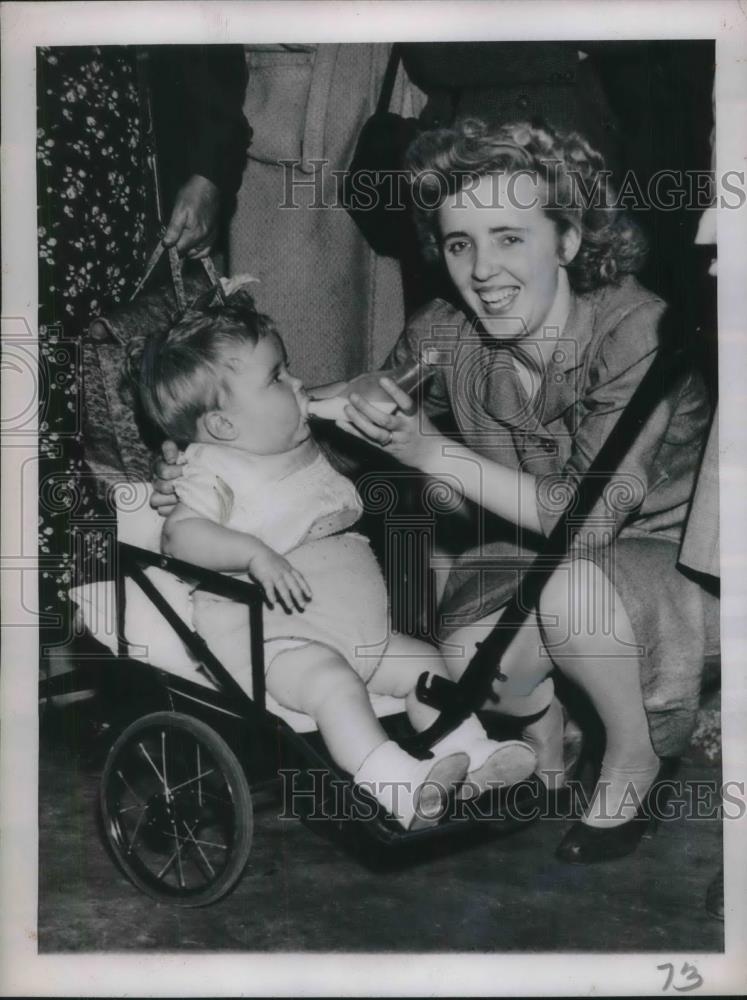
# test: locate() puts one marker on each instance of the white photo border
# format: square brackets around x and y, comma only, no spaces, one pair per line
[26,25]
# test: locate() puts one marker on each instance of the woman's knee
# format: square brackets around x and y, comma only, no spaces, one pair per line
[580,609]
[557,595]
[516,700]
[572,599]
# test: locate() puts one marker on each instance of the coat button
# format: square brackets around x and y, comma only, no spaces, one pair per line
[523,102]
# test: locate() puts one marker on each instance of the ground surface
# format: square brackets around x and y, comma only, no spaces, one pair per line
[304,891]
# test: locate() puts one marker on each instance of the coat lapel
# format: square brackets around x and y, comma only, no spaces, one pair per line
[496,414]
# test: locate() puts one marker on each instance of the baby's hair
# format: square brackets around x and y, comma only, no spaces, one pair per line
[579,192]
[182,372]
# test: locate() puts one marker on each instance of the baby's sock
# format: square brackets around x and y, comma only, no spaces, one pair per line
[491,763]
[413,791]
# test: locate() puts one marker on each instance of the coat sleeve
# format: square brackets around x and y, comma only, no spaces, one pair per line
[623,357]
[430,335]
[197,94]
[220,137]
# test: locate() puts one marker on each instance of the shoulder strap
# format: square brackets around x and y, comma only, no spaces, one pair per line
[148,134]
[390,75]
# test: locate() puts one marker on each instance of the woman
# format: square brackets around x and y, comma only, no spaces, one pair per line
[551,338]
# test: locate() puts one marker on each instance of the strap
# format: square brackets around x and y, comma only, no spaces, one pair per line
[147,128]
[207,263]
[175,263]
[390,75]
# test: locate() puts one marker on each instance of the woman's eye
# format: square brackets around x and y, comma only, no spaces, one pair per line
[457,247]
[510,241]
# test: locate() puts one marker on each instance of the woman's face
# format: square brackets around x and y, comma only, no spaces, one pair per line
[503,252]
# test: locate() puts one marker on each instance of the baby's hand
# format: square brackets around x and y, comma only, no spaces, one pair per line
[279,580]
[167,467]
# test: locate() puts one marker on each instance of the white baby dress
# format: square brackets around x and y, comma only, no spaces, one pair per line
[300,506]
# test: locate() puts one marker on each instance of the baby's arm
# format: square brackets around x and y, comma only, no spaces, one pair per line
[196,539]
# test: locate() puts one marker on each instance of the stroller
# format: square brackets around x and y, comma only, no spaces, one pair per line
[193,747]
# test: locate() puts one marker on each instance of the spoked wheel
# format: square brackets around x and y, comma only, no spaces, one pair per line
[176,809]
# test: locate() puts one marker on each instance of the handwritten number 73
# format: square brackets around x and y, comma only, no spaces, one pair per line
[688,975]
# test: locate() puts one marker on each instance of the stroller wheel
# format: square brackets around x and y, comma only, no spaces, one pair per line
[176,809]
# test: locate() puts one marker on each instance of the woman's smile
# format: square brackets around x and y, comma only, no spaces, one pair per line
[497,300]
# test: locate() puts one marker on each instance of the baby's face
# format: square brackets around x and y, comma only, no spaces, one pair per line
[264,402]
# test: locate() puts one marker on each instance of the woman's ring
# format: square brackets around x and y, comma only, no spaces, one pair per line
[388,441]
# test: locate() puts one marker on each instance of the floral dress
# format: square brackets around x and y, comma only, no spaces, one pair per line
[96,221]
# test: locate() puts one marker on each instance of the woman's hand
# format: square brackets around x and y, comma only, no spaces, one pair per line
[193,226]
[166,469]
[406,433]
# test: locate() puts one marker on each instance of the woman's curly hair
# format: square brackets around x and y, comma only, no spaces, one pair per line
[578,189]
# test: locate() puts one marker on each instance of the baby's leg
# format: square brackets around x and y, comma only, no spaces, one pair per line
[491,762]
[316,680]
[397,674]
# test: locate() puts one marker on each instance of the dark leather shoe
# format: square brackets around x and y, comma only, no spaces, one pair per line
[585,845]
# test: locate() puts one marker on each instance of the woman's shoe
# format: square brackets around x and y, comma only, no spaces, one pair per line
[585,845]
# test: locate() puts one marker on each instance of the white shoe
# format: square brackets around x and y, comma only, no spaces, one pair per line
[415,792]
[505,763]
[492,764]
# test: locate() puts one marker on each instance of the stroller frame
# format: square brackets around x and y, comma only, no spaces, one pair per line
[181,829]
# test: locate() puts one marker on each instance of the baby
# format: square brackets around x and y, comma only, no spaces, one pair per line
[257,496]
